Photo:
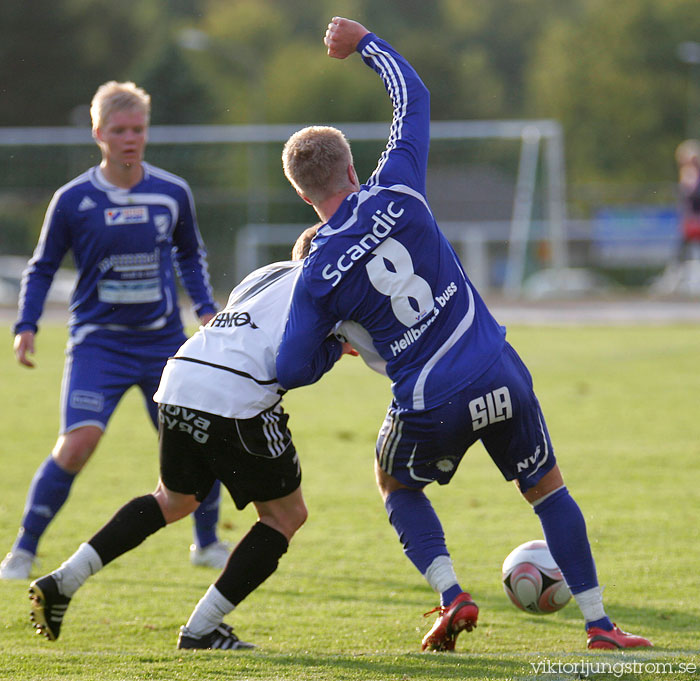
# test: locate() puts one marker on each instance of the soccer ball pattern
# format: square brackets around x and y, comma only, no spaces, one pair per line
[532,580]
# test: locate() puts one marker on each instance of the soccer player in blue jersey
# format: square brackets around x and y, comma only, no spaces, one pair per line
[131,227]
[380,261]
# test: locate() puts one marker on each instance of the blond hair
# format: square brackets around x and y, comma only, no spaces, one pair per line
[315,161]
[303,243]
[113,96]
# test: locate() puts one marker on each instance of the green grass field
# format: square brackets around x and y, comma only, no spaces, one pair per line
[622,408]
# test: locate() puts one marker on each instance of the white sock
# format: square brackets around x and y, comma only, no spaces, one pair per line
[84,563]
[591,604]
[208,613]
[441,574]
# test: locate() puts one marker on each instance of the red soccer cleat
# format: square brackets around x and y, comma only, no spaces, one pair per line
[460,615]
[616,638]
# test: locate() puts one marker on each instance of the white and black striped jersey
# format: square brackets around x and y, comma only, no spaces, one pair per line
[228,367]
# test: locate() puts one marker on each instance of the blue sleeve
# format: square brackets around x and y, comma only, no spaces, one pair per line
[405,158]
[306,351]
[191,258]
[54,243]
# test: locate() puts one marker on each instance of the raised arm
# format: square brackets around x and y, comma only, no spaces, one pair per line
[343,36]
[405,158]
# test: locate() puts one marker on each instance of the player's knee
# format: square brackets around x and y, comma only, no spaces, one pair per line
[291,522]
[286,519]
[301,513]
[173,505]
[550,482]
[73,449]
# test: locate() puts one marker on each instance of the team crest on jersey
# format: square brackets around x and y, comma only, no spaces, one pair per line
[162,222]
[128,215]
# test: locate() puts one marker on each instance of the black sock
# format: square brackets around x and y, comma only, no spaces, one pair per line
[129,526]
[252,562]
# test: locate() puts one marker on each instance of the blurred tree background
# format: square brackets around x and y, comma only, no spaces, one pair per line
[610,72]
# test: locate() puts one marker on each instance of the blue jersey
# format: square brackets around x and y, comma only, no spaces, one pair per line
[382,261]
[127,246]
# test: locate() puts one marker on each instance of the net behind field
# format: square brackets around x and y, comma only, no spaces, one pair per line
[237,179]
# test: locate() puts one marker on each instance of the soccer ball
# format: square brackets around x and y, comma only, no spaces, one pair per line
[532,580]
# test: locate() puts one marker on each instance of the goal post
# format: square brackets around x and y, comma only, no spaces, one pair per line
[254,240]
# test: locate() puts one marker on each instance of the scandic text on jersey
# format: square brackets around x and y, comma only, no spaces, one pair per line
[382,224]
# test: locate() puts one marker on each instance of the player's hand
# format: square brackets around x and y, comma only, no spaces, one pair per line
[349,350]
[24,345]
[342,37]
[206,318]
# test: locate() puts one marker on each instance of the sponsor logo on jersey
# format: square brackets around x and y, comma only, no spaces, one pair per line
[86,204]
[129,292]
[412,335]
[448,293]
[126,215]
[124,262]
[382,224]
[230,319]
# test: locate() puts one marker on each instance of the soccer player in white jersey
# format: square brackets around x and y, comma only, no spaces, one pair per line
[220,416]
[130,227]
[381,262]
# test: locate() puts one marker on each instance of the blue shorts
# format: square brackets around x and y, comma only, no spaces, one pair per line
[103,366]
[500,409]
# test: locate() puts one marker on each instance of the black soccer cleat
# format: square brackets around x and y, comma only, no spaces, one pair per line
[222,638]
[48,607]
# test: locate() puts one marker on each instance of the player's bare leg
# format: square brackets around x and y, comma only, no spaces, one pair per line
[74,449]
[173,505]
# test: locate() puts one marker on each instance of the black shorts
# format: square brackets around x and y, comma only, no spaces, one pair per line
[254,458]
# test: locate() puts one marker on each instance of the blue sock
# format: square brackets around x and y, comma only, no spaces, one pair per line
[47,493]
[420,531]
[446,597]
[206,517]
[604,623]
[565,533]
